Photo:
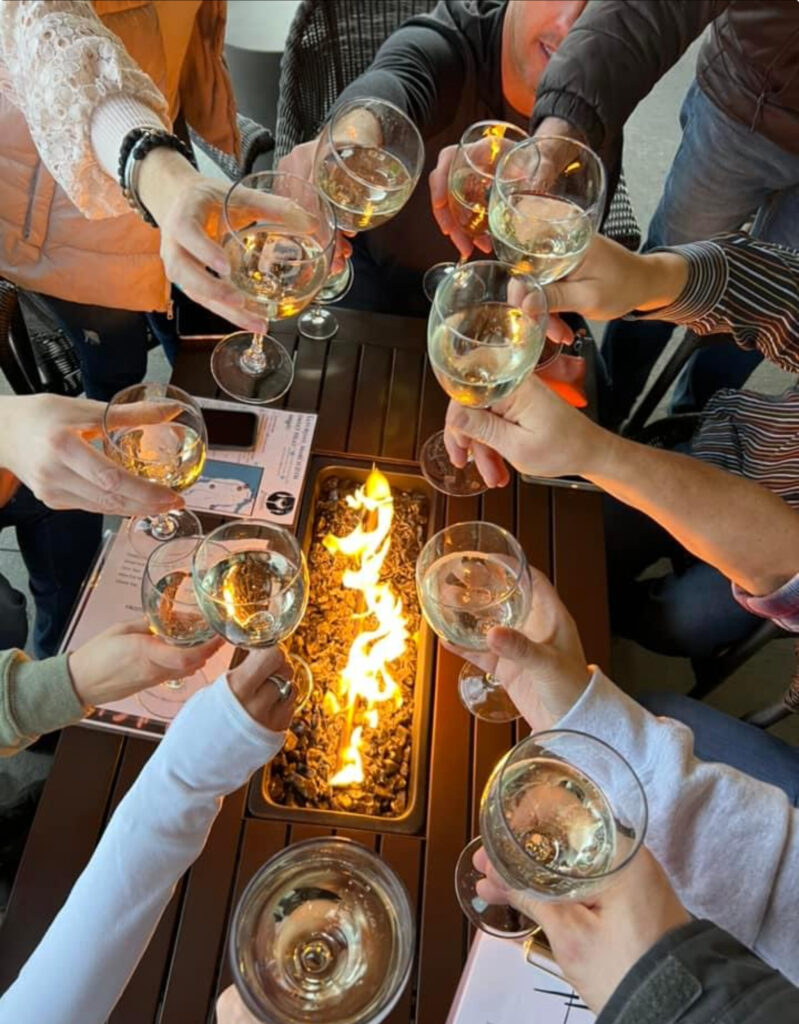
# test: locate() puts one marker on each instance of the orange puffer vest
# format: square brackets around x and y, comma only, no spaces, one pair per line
[46,245]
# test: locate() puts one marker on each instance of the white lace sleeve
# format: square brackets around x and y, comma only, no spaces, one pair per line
[58,63]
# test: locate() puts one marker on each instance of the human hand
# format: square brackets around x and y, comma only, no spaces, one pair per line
[46,442]
[231,1010]
[534,429]
[612,281]
[439,201]
[127,658]
[259,697]
[542,666]
[596,943]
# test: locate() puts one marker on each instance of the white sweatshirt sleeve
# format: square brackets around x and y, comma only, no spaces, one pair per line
[80,968]
[729,843]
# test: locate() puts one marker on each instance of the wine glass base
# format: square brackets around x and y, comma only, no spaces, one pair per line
[438,470]
[434,276]
[147,532]
[317,324]
[498,919]
[485,700]
[257,388]
[165,700]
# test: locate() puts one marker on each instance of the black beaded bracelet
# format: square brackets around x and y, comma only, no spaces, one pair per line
[137,144]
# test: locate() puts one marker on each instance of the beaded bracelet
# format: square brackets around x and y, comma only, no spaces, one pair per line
[135,147]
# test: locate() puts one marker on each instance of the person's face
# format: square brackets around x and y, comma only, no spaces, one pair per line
[534,29]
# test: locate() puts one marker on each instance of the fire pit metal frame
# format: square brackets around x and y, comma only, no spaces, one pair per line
[412,819]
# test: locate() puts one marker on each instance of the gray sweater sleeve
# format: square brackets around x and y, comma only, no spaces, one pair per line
[729,843]
[699,974]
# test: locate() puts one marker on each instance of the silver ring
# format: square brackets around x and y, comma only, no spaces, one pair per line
[284,686]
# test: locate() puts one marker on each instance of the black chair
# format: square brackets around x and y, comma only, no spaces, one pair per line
[255,141]
[330,43]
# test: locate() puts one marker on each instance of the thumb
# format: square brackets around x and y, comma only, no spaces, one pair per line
[485,426]
[515,646]
[563,295]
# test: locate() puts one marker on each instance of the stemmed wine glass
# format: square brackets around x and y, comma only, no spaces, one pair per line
[157,431]
[251,583]
[485,333]
[278,269]
[367,163]
[561,815]
[471,577]
[471,175]
[323,933]
[170,604]
[545,206]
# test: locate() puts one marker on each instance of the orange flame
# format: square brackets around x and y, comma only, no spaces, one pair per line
[366,678]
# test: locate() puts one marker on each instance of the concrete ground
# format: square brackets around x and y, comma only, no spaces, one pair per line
[652,138]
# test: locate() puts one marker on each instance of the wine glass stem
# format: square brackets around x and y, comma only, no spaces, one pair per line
[253,359]
[491,682]
[162,526]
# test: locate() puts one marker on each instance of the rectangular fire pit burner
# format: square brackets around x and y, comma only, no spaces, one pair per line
[356,753]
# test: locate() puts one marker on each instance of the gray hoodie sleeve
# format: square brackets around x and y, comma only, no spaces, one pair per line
[729,843]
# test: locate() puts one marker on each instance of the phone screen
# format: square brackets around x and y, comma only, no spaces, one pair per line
[228,429]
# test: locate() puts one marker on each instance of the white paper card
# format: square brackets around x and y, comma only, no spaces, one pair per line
[114,595]
[264,482]
[500,986]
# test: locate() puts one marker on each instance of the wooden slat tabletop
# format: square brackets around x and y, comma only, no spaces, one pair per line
[376,399]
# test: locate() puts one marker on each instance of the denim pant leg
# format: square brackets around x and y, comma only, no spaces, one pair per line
[57,548]
[111,344]
[721,175]
[721,738]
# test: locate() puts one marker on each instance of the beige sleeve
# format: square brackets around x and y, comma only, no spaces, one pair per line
[35,697]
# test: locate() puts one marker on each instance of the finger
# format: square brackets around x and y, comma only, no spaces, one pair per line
[140,625]
[490,465]
[484,660]
[240,317]
[110,486]
[487,427]
[559,331]
[173,660]
[514,646]
[191,276]
[252,674]
[457,447]
[77,493]
[566,296]
[189,234]
[461,241]
[270,209]
[484,243]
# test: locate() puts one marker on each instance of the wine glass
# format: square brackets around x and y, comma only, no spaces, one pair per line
[251,583]
[545,206]
[367,163]
[170,604]
[157,431]
[471,577]
[561,815]
[471,175]
[485,332]
[278,269]
[323,933]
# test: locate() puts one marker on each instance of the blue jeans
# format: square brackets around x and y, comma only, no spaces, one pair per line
[722,175]
[689,612]
[722,738]
[111,343]
[57,548]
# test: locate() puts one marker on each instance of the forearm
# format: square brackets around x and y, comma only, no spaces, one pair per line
[95,942]
[743,530]
[699,813]
[62,45]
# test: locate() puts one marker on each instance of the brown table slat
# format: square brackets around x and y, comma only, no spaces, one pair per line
[260,841]
[371,401]
[309,366]
[193,370]
[341,374]
[399,440]
[432,409]
[368,839]
[65,831]
[197,950]
[404,855]
[578,553]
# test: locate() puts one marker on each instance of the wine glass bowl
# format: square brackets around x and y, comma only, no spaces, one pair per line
[251,583]
[471,175]
[561,815]
[323,933]
[546,203]
[170,605]
[485,333]
[367,163]
[157,432]
[279,270]
[471,577]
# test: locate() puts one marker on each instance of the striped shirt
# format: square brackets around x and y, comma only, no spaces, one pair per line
[749,289]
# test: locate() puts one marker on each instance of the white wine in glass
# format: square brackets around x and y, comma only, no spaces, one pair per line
[560,816]
[251,583]
[366,186]
[157,431]
[278,273]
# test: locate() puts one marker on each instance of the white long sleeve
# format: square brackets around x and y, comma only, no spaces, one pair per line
[80,968]
[729,843]
[60,65]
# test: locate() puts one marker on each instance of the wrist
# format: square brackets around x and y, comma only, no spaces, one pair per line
[663,278]
[557,126]
[605,454]
[80,674]
[163,174]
